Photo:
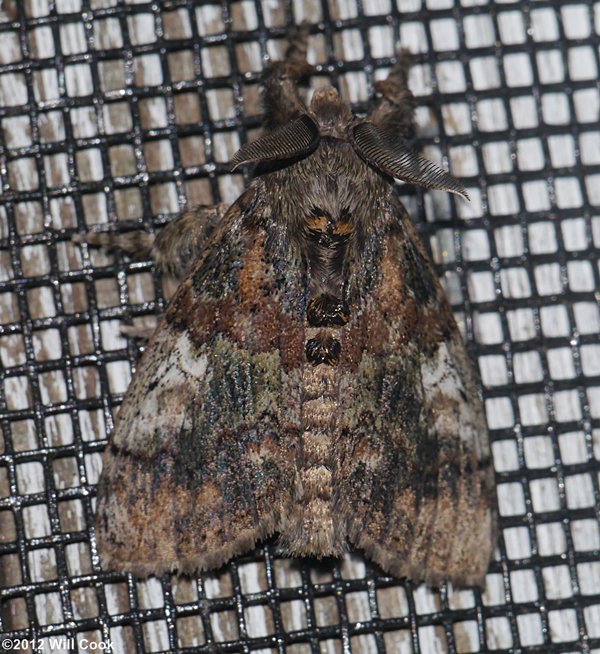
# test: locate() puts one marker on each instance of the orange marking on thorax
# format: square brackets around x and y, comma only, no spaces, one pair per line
[343,228]
[317,223]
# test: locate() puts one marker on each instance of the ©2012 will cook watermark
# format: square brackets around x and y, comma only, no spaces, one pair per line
[53,644]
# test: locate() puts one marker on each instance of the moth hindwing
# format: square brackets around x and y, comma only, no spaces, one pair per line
[308,378]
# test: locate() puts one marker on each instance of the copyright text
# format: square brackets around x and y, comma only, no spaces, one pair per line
[53,644]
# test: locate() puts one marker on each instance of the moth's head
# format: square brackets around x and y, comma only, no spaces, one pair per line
[332,116]
[328,117]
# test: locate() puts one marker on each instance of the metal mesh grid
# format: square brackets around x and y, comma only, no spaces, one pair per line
[123,112]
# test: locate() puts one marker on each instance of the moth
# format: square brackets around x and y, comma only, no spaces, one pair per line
[308,377]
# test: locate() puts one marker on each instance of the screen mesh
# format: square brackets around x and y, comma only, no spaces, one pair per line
[119,113]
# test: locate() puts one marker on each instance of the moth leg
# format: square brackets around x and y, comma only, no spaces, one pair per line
[137,244]
[139,332]
[281,100]
[394,111]
[174,249]
[181,242]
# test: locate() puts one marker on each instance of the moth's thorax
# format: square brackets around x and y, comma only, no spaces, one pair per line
[332,181]
[331,207]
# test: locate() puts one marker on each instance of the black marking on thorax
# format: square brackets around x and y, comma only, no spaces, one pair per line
[324,348]
[329,231]
[327,310]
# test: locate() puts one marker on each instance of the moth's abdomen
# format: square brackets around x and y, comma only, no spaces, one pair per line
[311,526]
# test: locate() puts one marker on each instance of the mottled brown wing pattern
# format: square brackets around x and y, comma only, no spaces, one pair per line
[414,478]
[308,377]
[202,457]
